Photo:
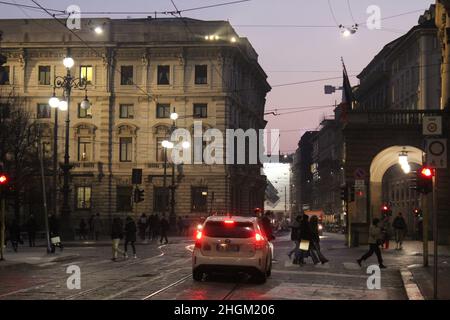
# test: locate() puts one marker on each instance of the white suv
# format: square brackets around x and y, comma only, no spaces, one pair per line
[231,243]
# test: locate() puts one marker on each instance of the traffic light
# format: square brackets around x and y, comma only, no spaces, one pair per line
[424,180]
[418,213]
[138,195]
[4,180]
[386,211]
[344,193]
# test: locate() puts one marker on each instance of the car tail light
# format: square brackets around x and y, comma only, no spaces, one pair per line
[259,241]
[198,239]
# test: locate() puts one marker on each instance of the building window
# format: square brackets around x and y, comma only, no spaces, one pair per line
[84,149]
[126,111]
[43,111]
[161,199]
[126,75]
[84,113]
[126,149]
[47,149]
[84,195]
[86,74]
[163,110]
[199,197]
[4,75]
[163,74]
[123,198]
[201,74]
[200,110]
[159,149]
[44,75]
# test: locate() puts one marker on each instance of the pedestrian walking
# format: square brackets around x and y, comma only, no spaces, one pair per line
[130,235]
[305,241]
[375,241]
[55,238]
[156,228]
[295,236]
[14,234]
[91,227]
[268,230]
[31,230]
[142,225]
[116,236]
[180,225]
[83,229]
[400,228]
[386,231]
[315,240]
[97,226]
[163,228]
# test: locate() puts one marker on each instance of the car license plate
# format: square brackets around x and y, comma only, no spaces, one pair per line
[227,248]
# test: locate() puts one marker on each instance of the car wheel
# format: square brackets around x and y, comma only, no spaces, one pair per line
[269,270]
[197,275]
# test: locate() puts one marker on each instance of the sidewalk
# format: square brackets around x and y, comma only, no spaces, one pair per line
[33,256]
[423,276]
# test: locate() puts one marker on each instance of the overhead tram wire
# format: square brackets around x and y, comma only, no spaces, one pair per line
[31,7]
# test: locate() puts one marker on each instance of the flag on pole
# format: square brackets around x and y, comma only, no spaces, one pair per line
[347,94]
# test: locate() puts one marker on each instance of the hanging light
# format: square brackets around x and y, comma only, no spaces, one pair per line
[85,104]
[62,105]
[174,116]
[53,102]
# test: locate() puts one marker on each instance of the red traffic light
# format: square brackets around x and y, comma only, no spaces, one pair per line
[3,179]
[426,172]
[385,208]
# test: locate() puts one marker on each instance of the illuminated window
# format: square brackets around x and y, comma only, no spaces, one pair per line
[83,195]
[86,74]
[84,149]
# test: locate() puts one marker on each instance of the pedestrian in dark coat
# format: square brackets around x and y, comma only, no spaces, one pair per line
[31,230]
[295,236]
[375,241]
[116,236]
[55,238]
[400,227]
[315,241]
[14,234]
[130,236]
[305,236]
[163,227]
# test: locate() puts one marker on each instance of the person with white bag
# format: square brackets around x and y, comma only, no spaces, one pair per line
[55,238]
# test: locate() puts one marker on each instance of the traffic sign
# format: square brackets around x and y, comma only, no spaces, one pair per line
[359,174]
[432,126]
[436,153]
[359,183]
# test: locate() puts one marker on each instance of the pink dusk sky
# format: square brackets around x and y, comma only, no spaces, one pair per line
[287,51]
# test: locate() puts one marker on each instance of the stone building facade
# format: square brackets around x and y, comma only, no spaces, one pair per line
[138,72]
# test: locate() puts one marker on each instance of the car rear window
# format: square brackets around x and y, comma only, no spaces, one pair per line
[219,229]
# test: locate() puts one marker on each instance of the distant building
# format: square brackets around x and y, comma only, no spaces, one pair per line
[138,72]
[405,75]
[279,186]
[302,173]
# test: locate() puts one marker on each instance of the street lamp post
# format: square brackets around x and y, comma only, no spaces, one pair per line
[67,83]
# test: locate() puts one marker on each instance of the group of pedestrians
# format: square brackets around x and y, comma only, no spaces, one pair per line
[157,227]
[305,235]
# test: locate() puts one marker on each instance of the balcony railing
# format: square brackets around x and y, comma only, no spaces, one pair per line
[391,117]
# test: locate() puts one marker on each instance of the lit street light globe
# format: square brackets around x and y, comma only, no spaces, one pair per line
[174,116]
[85,104]
[53,102]
[68,62]
[167,144]
[186,145]
[98,30]
[63,105]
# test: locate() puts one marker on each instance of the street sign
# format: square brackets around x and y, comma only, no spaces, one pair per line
[436,153]
[359,184]
[432,126]
[359,174]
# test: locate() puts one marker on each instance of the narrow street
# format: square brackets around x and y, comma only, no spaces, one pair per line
[164,273]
